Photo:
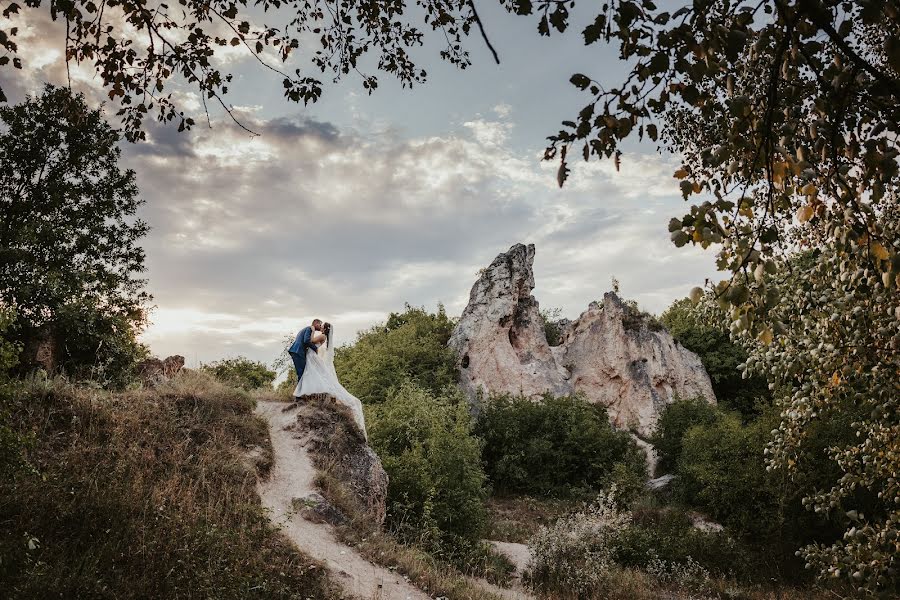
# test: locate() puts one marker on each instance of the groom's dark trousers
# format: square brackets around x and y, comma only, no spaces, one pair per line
[298,350]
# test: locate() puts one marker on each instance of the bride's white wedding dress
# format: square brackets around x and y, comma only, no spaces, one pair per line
[319,377]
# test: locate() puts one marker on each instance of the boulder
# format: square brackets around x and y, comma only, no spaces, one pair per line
[612,354]
[340,451]
[154,370]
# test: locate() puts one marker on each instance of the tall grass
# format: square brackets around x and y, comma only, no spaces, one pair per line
[143,494]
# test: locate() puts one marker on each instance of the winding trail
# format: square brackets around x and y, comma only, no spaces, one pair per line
[292,477]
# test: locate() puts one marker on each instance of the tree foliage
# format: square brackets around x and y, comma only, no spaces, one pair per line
[721,356]
[140,50]
[552,447]
[69,254]
[241,372]
[411,345]
[786,116]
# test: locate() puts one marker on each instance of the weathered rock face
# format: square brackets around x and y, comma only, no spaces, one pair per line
[616,359]
[610,353]
[154,370]
[500,337]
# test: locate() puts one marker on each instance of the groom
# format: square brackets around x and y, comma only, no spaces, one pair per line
[301,343]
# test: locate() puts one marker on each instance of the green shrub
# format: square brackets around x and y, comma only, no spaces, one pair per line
[674,421]
[437,485]
[554,446]
[722,471]
[667,535]
[721,358]
[93,343]
[410,346]
[241,372]
[552,331]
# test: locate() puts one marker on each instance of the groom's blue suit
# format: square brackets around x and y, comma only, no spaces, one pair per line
[298,350]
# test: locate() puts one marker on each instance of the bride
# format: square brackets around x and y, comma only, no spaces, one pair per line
[319,377]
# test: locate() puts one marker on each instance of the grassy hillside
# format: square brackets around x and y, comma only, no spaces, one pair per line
[142,494]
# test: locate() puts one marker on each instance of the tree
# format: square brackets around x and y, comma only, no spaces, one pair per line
[786,116]
[138,49]
[241,372]
[69,257]
[409,346]
[721,356]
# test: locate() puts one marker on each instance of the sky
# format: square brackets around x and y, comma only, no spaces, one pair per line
[352,207]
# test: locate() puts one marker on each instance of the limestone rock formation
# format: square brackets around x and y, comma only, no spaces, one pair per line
[620,360]
[611,353]
[500,337]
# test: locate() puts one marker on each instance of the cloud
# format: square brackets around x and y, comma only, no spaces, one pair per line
[253,236]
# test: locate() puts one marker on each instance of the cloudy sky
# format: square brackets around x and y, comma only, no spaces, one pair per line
[352,207]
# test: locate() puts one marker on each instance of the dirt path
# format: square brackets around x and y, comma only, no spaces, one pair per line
[520,556]
[292,477]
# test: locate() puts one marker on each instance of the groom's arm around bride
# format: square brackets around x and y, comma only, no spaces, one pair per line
[302,342]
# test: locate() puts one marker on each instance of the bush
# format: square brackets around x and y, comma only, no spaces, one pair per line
[555,446]
[674,421]
[144,494]
[437,485]
[666,537]
[92,343]
[241,372]
[410,346]
[575,555]
[721,358]
[552,330]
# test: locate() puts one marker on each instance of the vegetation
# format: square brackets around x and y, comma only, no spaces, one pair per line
[433,564]
[437,484]
[241,372]
[674,421]
[552,330]
[143,494]
[552,447]
[785,116]
[69,257]
[721,357]
[410,346]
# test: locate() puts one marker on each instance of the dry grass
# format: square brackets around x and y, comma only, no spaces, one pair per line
[144,494]
[517,518]
[634,584]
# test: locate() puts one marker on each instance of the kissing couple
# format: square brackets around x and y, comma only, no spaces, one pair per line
[313,356]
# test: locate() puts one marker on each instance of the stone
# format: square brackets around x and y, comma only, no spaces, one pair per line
[629,364]
[154,370]
[339,448]
[612,354]
[315,508]
[499,340]
[660,483]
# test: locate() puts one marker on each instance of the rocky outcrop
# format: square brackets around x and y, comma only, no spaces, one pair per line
[500,337]
[340,452]
[620,359]
[154,370]
[611,354]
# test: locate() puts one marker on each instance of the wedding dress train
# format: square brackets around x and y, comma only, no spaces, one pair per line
[319,377]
